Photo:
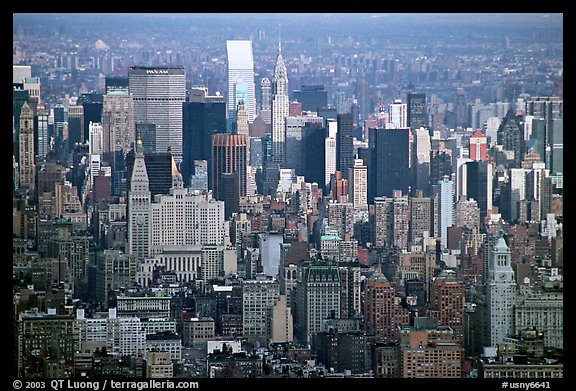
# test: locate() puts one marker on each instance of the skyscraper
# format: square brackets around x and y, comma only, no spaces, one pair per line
[330,153]
[295,140]
[358,183]
[448,303]
[118,131]
[26,162]
[229,155]
[158,96]
[445,208]
[41,124]
[314,149]
[478,143]
[159,169]
[117,122]
[241,119]
[95,138]
[388,168]
[60,117]
[280,106]
[240,78]
[440,165]
[139,208]
[502,293]
[312,97]
[477,184]
[391,223]
[146,131]
[92,104]
[19,96]
[417,115]
[557,146]
[397,115]
[203,116]
[317,297]
[421,217]
[421,160]
[266,91]
[75,125]
[344,144]
[511,137]
[460,108]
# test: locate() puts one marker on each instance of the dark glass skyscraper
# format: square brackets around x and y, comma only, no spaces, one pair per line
[314,151]
[146,131]
[478,177]
[344,144]
[60,116]
[159,168]
[312,97]
[203,116]
[115,84]
[511,137]
[388,168]
[417,116]
[75,125]
[93,106]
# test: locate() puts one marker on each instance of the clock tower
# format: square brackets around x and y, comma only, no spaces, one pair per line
[502,293]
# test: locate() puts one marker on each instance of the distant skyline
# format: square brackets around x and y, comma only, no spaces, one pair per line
[384,21]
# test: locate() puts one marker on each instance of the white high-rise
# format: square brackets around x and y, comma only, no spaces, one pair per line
[446,208]
[158,94]
[502,293]
[330,152]
[95,138]
[139,207]
[358,183]
[266,89]
[422,144]
[421,158]
[280,106]
[240,78]
[397,115]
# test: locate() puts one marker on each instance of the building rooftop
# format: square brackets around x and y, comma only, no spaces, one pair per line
[143,297]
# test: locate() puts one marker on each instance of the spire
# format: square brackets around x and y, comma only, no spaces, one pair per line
[139,147]
[177,181]
[280,77]
[279,39]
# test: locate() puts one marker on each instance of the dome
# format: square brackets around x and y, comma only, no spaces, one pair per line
[500,244]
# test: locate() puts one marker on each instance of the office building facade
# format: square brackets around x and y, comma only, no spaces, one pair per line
[158,94]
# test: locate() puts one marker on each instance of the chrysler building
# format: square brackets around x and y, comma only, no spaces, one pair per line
[280,104]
